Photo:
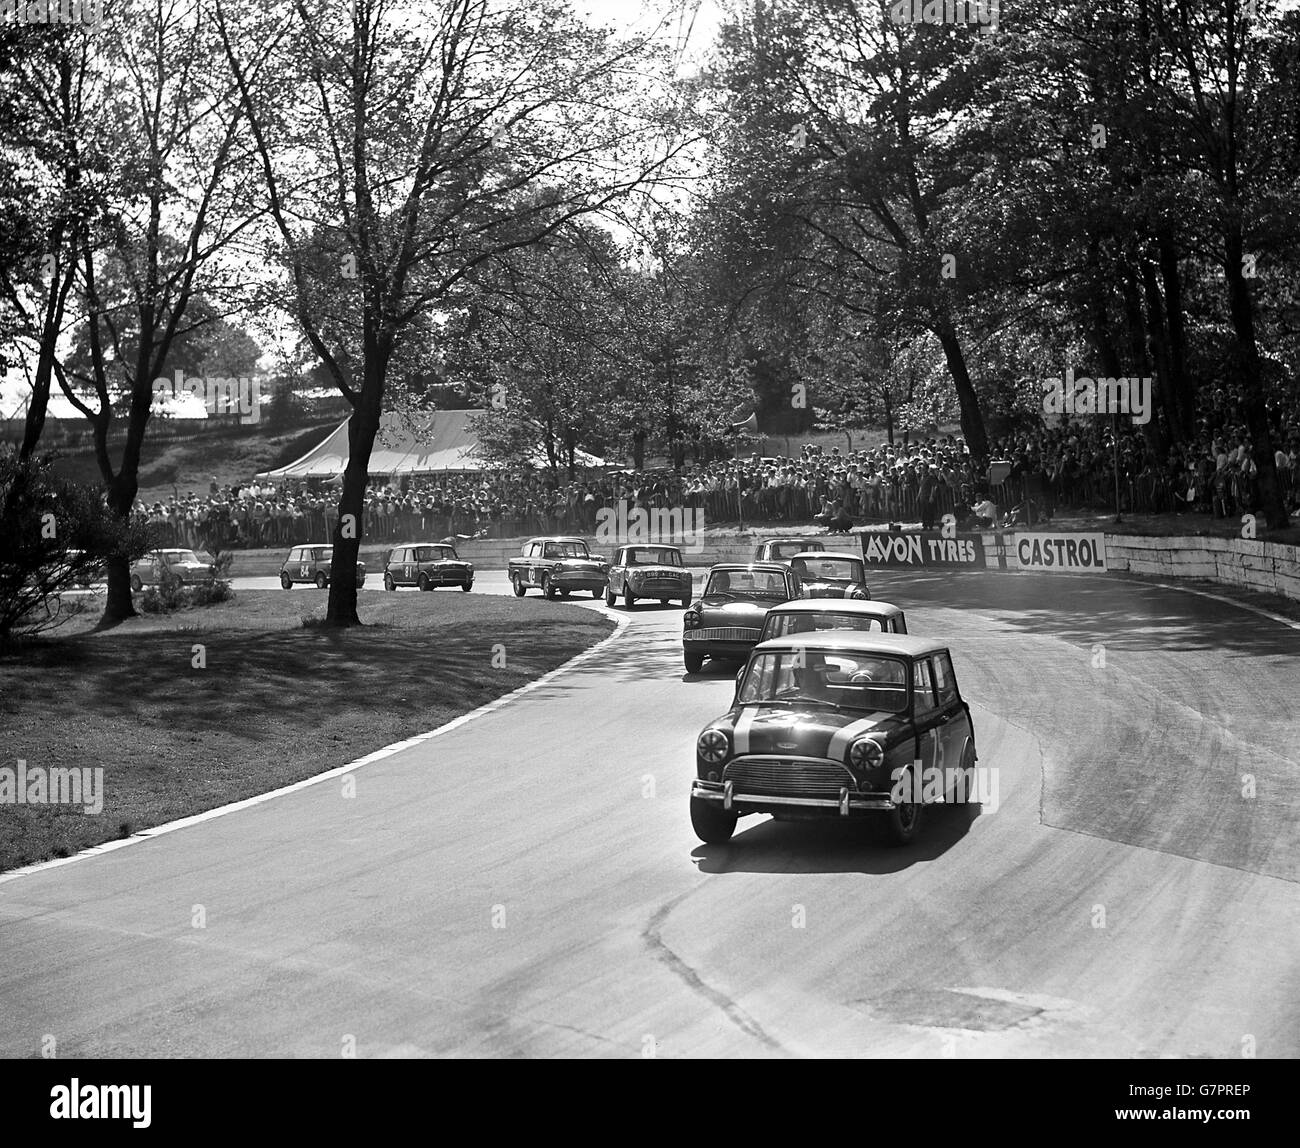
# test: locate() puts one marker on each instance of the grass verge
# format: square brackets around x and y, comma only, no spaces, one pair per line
[190,711]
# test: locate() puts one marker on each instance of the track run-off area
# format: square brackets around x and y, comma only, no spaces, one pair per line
[528,884]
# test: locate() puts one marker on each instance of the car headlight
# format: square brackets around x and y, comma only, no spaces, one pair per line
[712,746]
[865,753]
[690,620]
[860,593]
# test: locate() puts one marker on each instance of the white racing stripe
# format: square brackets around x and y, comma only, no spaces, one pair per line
[840,743]
[741,732]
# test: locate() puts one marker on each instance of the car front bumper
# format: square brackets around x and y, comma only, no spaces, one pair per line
[849,802]
[579,580]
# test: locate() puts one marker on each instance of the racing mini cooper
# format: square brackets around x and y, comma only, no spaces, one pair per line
[427,565]
[783,549]
[804,615]
[558,565]
[183,564]
[648,572]
[827,574]
[314,565]
[837,723]
[725,622]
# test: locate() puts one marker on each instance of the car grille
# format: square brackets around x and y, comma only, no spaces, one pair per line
[724,634]
[783,777]
[657,584]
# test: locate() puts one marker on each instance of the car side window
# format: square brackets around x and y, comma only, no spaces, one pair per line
[533,549]
[295,555]
[923,687]
[945,679]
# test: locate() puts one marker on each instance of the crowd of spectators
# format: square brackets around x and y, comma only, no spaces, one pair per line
[1069,466]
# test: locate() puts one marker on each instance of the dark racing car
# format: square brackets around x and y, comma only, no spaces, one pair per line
[837,723]
[725,622]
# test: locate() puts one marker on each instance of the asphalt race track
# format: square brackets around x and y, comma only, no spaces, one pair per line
[528,883]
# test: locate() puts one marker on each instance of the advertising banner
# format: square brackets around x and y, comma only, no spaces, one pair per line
[1071,553]
[930,550]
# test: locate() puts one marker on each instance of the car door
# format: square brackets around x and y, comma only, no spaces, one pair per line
[408,566]
[956,727]
[928,715]
[616,571]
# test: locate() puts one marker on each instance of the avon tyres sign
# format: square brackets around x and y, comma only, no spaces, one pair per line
[931,550]
[1068,552]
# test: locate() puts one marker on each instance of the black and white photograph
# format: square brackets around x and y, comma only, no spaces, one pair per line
[552,530]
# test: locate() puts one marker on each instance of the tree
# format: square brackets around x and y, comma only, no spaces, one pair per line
[418,147]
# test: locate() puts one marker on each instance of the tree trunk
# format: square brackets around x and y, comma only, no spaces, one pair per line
[1184,403]
[972,418]
[1246,361]
[363,426]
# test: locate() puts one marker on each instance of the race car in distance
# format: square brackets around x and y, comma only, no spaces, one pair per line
[426,565]
[836,723]
[648,571]
[313,564]
[556,564]
[830,574]
[725,622]
[783,549]
[184,564]
[806,615]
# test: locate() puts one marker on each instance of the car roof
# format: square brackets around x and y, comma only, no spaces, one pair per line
[648,545]
[555,538]
[828,554]
[765,567]
[838,606]
[783,541]
[867,642]
[399,545]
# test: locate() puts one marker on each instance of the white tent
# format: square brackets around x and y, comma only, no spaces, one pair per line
[441,441]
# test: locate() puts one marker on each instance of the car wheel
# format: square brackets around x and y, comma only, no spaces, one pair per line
[548,591]
[968,775]
[712,824]
[136,584]
[564,593]
[610,597]
[518,585]
[389,584]
[904,820]
[629,599]
[595,593]
[694,662]
[686,601]
[467,586]
[321,582]
[424,582]
[286,583]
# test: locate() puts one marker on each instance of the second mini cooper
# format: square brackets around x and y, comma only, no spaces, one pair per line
[427,565]
[648,572]
[829,574]
[314,565]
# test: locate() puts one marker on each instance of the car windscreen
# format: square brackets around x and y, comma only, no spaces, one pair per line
[857,681]
[565,550]
[182,556]
[829,569]
[434,554]
[653,556]
[787,549]
[747,584]
[779,625]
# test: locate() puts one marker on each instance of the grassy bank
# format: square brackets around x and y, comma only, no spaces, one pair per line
[266,700]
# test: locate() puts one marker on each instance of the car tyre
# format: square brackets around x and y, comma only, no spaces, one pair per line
[389,584]
[424,583]
[467,586]
[595,594]
[629,599]
[286,583]
[903,822]
[321,582]
[518,585]
[686,602]
[548,591]
[611,599]
[694,662]
[712,824]
[136,584]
